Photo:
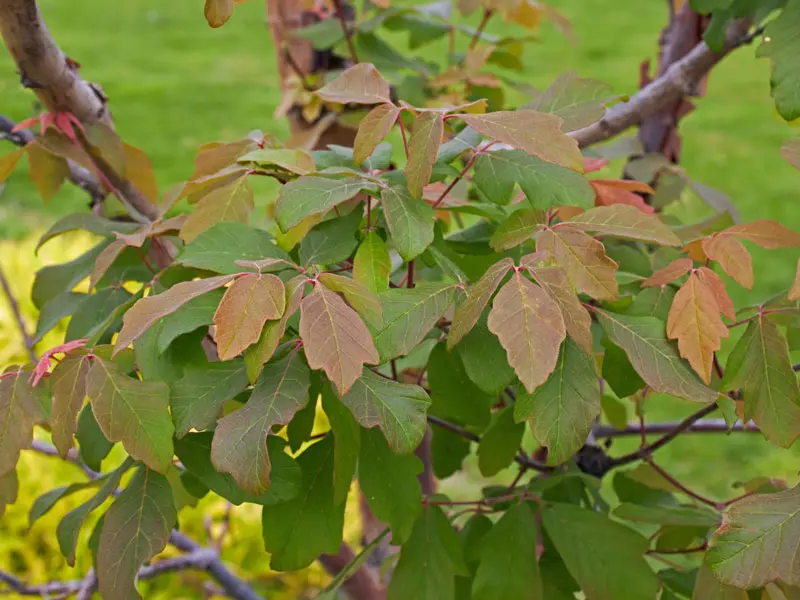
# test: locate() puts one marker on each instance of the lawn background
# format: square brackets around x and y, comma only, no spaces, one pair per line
[173,83]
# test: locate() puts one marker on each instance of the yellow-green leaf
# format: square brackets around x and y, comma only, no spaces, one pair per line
[20,410]
[47,171]
[231,202]
[410,221]
[360,298]
[623,220]
[422,150]
[373,129]
[8,163]
[218,12]
[372,264]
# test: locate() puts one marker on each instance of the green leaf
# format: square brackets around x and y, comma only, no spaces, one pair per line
[249,302]
[44,503]
[782,45]
[55,310]
[372,265]
[53,281]
[429,560]
[485,360]
[707,587]
[654,358]
[757,541]
[360,84]
[313,195]
[605,558]
[196,399]
[508,567]
[347,442]
[448,451]
[454,394]
[86,221]
[20,410]
[135,529]
[295,160]
[422,150]
[147,311]
[625,221]
[93,446]
[530,327]
[397,408]
[323,34]
[499,443]
[97,314]
[373,129]
[535,132]
[389,484]
[467,315]
[335,338]
[467,139]
[517,229]
[618,371]
[561,411]
[70,526]
[332,241]
[360,298]
[240,439]
[229,203]
[408,315]
[219,247]
[296,532]
[544,184]
[760,365]
[578,101]
[68,383]
[192,315]
[667,515]
[133,412]
[194,452]
[410,221]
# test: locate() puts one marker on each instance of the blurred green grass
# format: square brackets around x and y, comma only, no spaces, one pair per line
[174,83]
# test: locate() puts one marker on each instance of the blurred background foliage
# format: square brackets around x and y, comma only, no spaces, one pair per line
[174,84]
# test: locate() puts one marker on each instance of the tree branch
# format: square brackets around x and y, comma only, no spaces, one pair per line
[12,301]
[676,82]
[702,426]
[77,174]
[45,69]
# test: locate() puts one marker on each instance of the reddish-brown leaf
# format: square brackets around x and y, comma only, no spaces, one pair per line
[536,133]
[363,300]
[139,171]
[584,260]
[43,364]
[215,156]
[613,191]
[714,282]
[766,233]
[576,318]
[625,221]
[232,202]
[529,325]
[677,268]
[335,338]
[794,292]
[695,322]
[791,152]
[470,311]
[373,129]
[422,150]
[218,12]
[149,310]
[249,302]
[361,84]
[732,256]
[68,383]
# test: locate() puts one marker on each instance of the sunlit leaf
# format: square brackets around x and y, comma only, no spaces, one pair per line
[248,303]
[294,160]
[410,221]
[695,322]
[133,412]
[135,529]
[562,410]
[654,358]
[149,310]
[373,129]
[766,233]
[139,171]
[335,338]
[622,192]
[240,439]
[732,256]
[372,265]
[218,12]
[397,408]
[361,84]
[536,133]
[422,150]
[577,100]
[584,260]
[530,327]
[759,364]
[408,315]
[232,202]
[757,541]
[626,222]
[8,162]
[470,310]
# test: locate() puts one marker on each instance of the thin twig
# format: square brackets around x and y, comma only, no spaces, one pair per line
[702,426]
[12,301]
[683,488]
[461,175]
[403,132]
[701,548]
[487,14]
[684,425]
[345,29]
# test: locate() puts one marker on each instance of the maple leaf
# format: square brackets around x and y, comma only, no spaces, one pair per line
[695,322]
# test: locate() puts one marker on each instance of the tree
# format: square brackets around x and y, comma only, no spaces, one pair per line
[430,307]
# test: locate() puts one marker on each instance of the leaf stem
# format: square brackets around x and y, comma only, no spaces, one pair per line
[683,488]
[487,14]
[461,175]
[410,277]
[403,132]
[345,29]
